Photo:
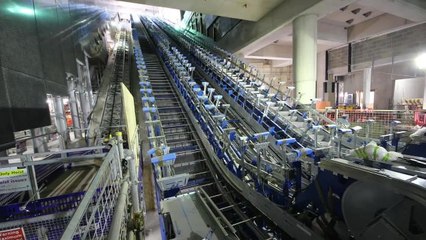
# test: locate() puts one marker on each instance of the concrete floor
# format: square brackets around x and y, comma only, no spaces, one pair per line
[71,180]
[189,218]
[152,226]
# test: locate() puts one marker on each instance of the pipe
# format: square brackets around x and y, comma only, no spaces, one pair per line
[119,213]
[134,180]
[119,136]
[38,139]
[88,80]
[73,106]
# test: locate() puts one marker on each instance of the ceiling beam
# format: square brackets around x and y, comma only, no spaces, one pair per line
[328,35]
[282,63]
[247,33]
[332,33]
[378,25]
[273,52]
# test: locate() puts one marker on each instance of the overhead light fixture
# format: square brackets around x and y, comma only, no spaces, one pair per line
[367,14]
[356,11]
[421,61]
[344,8]
[350,21]
[23,11]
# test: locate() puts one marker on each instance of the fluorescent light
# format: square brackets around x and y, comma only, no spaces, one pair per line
[21,10]
[421,61]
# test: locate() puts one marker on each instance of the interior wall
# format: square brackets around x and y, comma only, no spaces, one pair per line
[391,57]
[408,88]
[279,73]
[39,42]
[321,72]
[382,82]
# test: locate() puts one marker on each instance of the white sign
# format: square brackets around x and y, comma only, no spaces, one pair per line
[14,179]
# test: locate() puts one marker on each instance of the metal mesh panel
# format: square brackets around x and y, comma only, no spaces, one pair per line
[45,227]
[92,219]
[41,207]
[123,228]
[89,214]
[382,120]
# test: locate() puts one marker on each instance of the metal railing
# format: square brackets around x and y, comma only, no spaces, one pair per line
[93,217]
[379,122]
[45,218]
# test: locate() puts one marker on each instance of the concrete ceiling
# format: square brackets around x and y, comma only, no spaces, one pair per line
[251,10]
[351,21]
[352,14]
[268,32]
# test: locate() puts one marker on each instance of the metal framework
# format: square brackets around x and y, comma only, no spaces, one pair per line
[92,219]
[112,114]
[258,141]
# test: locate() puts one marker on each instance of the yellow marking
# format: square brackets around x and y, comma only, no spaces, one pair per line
[11,173]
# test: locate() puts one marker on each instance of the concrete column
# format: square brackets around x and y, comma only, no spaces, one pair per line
[305,56]
[366,87]
[73,107]
[39,141]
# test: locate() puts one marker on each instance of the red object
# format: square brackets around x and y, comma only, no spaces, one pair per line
[420,118]
[12,234]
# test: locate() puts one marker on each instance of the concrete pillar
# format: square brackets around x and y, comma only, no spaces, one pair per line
[305,56]
[366,87]
[73,107]
[39,140]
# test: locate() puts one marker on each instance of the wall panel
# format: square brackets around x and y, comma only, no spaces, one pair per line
[39,42]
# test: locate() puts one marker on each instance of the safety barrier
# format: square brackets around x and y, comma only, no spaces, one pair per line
[380,121]
[44,218]
[92,219]
[420,118]
[40,207]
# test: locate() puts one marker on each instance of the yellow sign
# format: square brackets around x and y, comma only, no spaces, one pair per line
[130,119]
[14,179]
[10,173]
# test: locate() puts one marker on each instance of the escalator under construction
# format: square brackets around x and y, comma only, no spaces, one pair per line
[229,211]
